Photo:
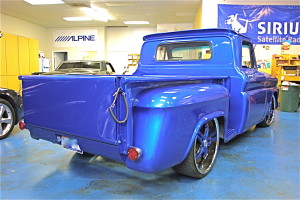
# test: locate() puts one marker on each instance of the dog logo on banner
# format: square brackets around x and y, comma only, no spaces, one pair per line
[236,25]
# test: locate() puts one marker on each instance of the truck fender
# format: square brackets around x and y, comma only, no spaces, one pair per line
[180,95]
[200,123]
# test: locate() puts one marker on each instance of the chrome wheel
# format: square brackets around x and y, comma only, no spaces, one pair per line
[6,119]
[202,155]
[271,114]
[206,146]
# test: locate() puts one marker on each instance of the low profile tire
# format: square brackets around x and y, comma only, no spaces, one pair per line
[85,154]
[269,118]
[7,118]
[202,155]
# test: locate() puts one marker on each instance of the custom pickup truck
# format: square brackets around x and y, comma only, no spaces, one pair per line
[191,88]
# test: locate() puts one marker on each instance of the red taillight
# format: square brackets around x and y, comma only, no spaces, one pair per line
[21,125]
[134,153]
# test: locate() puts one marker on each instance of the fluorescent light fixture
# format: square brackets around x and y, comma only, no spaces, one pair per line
[98,14]
[44,2]
[136,22]
[73,19]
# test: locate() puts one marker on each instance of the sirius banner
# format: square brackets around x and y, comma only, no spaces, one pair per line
[271,24]
[75,38]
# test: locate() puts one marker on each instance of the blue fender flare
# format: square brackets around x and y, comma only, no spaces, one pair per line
[201,122]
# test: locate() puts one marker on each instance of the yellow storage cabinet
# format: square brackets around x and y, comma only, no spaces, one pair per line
[12,55]
[3,79]
[33,55]
[24,66]
[13,83]
[19,56]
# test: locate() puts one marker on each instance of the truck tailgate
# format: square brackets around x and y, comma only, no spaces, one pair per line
[74,105]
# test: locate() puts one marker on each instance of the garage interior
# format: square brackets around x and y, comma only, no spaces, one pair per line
[262,163]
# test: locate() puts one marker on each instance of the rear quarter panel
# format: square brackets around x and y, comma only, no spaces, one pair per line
[165,120]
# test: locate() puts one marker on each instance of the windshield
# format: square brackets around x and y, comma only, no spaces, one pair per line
[84,65]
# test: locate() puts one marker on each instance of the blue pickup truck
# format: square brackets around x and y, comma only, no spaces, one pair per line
[191,88]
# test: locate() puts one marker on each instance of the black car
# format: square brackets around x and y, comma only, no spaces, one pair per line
[11,111]
[88,67]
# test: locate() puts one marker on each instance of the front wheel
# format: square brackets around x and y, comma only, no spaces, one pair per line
[202,155]
[269,118]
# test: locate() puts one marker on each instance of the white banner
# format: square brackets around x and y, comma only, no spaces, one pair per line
[75,38]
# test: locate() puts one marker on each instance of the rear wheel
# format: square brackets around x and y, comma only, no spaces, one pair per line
[202,155]
[269,118]
[85,154]
[7,118]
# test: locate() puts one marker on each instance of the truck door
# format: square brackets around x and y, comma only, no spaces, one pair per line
[254,87]
[73,105]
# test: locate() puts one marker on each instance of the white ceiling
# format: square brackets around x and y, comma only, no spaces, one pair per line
[154,11]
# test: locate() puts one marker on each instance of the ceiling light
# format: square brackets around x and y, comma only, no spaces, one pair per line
[96,14]
[119,4]
[72,19]
[44,2]
[136,22]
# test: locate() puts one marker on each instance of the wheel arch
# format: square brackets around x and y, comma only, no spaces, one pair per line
[219,115]
[276,98]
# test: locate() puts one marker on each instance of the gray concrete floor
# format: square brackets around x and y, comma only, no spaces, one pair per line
[263,163]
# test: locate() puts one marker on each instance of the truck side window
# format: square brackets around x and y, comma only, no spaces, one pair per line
[184,51]
[246,55]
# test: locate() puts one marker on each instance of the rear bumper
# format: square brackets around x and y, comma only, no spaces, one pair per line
[90,146]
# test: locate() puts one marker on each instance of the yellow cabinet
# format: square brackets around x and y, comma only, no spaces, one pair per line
[3,81]
[34,55]
[19,56]
[13,83]
[3,58]
[12,55]
[24,55]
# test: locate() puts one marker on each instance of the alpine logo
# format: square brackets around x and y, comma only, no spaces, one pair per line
[75,38]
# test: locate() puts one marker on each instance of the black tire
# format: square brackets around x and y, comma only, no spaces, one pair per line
[202,155]
[269,118]
[85,154]
[7,118]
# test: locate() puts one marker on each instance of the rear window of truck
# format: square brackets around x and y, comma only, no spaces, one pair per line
[184,51]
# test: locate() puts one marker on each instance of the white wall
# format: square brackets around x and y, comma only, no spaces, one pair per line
[209,17]
[114,44]
[76,53]
[121,41]
[19,27]
[264,54]
[174,27]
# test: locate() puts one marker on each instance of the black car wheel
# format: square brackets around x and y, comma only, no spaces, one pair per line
[7,118]
[202,155]
[269,118]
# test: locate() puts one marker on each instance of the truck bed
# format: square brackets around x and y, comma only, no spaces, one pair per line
[78,107]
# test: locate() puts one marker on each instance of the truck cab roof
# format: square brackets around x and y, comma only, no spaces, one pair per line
[192,33]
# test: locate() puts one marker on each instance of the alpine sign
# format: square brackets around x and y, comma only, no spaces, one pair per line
[263,24]
[75,38]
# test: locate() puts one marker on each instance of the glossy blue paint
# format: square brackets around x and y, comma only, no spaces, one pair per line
[165,134]
[56,103]
[181,95]
[168,102]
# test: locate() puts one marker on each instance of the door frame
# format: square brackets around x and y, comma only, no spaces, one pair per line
[53,57]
